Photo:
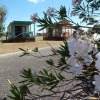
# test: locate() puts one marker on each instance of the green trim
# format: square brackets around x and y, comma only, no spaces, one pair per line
[22,22]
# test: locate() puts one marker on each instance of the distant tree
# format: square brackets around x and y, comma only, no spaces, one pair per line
[3,13]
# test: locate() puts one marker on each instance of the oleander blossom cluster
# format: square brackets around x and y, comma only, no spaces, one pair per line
[51,12]
[34,17]
[80,47]
[74,2]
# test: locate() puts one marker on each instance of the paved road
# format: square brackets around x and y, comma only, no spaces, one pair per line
[11,66]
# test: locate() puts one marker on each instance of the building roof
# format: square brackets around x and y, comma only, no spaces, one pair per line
[65,22]
[22,22]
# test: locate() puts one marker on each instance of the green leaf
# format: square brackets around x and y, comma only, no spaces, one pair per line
[23,81]
[16,92]
[26,73]
[24,90]
[24,53]
[23,49]
[52,83]
[11,97]
[35,50]
[50,62]
[61,77]
[64,51]
[90,53]
[81,15]
[52,87]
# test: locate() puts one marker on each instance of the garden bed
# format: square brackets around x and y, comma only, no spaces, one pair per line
[54,38]
[20,40]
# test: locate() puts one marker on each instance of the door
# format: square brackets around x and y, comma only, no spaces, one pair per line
[23,29]
[18,31]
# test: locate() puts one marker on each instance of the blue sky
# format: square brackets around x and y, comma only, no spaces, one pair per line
[21,10]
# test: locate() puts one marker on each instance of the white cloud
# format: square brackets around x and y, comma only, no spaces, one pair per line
[36,1]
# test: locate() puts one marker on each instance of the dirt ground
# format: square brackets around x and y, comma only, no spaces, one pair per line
[14,47]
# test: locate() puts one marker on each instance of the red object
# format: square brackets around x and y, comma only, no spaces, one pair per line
[66,25]
[67,35]
[54,38]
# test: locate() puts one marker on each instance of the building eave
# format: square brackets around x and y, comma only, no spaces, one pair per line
[22,22]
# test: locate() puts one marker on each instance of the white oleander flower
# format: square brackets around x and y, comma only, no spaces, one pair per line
[98,55]
[97,77]
[84,59]
[79,46]
[78,50]
[34,17]
[50,12]
[71,45]
[97,82]
[96,36]
[76,66]
[97,64]
[78,61]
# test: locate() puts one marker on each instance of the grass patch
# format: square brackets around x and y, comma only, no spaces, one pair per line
[14,47]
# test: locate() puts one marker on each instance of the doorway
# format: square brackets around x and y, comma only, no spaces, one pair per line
[19,30]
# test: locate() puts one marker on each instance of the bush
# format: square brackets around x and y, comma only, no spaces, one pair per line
[77,67]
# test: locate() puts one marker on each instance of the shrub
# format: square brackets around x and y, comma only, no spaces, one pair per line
[73,75]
